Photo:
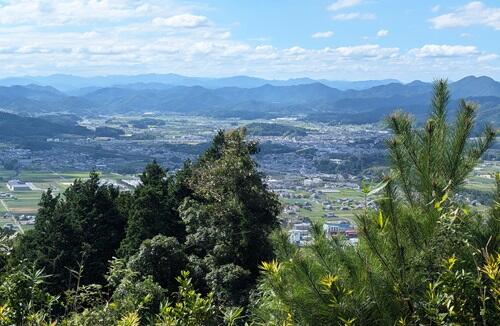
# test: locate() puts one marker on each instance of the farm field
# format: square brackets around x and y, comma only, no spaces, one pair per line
[26,202]
[343,203]
[483,177]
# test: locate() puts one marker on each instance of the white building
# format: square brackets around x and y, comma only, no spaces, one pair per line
[17,185]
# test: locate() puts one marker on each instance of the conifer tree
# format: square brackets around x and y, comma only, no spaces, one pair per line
[82,228]
[228,218]
[419,254]
[434,160]
[152,210]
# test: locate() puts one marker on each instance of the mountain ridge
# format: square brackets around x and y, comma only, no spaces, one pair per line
[71,83]
[265,100]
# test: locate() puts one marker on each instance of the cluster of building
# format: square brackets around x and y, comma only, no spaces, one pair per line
[26,219]
[300,233]
[6,195]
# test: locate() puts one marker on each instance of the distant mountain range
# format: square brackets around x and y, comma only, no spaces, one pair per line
[74,84]
[312,100]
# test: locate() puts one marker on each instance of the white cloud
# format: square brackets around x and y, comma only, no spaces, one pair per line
[295,50]
[473,13]
[183,20]
[326,34]
[354,15]
[436,8]
[382,33]
[487,57]
[58,12]
[342,4]
[367,51]
[435,50]
[92,37]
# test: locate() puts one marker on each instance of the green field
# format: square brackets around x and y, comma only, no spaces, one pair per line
[26,202]
[317,211]
[483,177]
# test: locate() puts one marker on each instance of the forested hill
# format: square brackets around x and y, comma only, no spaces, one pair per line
[12,125]
[314,100]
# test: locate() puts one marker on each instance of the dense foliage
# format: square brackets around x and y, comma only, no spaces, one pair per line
[193,247]
[80,229]
[422,258]
[228,218]
[100,256]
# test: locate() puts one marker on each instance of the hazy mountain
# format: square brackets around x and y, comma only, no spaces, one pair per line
[177,99]
[71,84]
[475,86]
[34,98]
[281,94]
[313,99]
[357,85]
[390,90]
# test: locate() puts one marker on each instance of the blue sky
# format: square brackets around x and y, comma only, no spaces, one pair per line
[344,39]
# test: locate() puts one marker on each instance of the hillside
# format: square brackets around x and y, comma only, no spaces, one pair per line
[12,125]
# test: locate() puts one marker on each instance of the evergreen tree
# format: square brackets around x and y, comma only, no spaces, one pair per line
[162,258]
[430,162]
[422,257]
[152,210]
[83,228]
[228,218]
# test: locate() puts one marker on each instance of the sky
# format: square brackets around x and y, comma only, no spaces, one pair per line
[275,39]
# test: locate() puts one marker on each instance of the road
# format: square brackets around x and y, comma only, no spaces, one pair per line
[16,222]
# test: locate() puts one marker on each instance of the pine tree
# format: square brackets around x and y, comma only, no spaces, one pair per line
[428,163]
[419,253]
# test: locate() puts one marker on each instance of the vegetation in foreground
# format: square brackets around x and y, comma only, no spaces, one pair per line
[194,248]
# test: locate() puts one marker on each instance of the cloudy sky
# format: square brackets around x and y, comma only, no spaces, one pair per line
[344,39]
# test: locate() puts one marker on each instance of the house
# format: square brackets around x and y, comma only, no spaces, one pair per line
[331,228]
[17,185]
[351,234]
[300,233]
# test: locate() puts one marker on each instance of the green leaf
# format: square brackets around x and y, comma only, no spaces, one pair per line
[380,220]
[378,188]
[438,204]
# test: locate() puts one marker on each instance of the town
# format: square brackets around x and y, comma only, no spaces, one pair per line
[318,175]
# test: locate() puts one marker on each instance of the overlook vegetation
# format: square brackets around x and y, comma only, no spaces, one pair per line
[203,246]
